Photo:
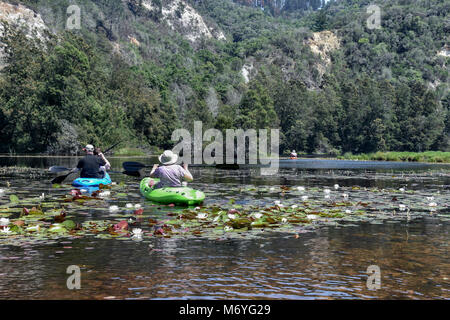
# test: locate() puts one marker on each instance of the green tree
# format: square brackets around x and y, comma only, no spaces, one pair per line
[256,110]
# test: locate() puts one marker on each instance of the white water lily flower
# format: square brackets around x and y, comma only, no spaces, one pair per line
[137,233]
[430,198]
[304,198]
[2,191]
[284,220]
[402,207]
[129,205]
[348,211]
[4,222]
[301,188]
[327,191]
[227,228]
[401,189]
[137,206]
[232,216]
[202,216]
[327,196]
[336,186]
[113,209]
[432,204]
[258,215]
[272,189]
[345,195]
[197,208]
[294,206]
[42,196]
[311,216]
[130,220]
[5,230]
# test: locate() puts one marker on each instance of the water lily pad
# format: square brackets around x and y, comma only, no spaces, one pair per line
[69,224]
[13,199]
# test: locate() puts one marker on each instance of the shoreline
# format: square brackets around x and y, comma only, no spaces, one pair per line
[434,157]
[397,157]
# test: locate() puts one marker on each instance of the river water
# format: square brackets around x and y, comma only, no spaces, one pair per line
[328,262]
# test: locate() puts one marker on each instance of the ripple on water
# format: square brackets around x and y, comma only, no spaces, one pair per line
[325,264]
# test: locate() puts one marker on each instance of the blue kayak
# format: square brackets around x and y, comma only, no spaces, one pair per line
[91,182]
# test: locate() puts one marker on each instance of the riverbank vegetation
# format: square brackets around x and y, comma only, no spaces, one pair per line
[378,89]
[430,156]
[128,152]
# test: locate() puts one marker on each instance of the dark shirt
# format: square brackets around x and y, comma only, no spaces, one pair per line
[90,167]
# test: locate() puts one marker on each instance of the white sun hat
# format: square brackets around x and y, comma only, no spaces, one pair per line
[168,158]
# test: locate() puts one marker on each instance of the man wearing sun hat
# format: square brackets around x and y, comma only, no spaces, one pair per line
[170,173]
[91,165]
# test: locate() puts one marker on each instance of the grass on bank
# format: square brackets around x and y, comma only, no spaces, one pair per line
[126,152]
[428,156]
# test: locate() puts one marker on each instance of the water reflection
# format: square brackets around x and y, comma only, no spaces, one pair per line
[329,263]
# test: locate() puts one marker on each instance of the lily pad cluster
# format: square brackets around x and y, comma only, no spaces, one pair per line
[244,211]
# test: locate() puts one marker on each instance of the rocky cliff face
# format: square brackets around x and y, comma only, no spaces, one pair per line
[183,18]
[278,6]
[322,44]
[21,15]
[275,5]
[176,15]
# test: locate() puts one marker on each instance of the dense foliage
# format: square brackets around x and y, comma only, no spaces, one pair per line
[384,89]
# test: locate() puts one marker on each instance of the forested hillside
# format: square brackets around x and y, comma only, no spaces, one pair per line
[138,69]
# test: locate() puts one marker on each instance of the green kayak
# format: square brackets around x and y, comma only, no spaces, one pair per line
[171,195]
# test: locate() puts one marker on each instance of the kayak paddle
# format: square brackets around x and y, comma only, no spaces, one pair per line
[57,169]
[60,179]
[131,167]
[108,150]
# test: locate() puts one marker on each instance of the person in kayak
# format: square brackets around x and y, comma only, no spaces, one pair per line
[293,154]
[91,164]
[170,174]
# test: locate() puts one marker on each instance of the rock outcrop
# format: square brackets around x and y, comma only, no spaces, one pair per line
[323,43]
[181,17]
[20,15]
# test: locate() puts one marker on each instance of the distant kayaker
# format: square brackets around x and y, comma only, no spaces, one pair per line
[91,165]
[170,174]
[293,154]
